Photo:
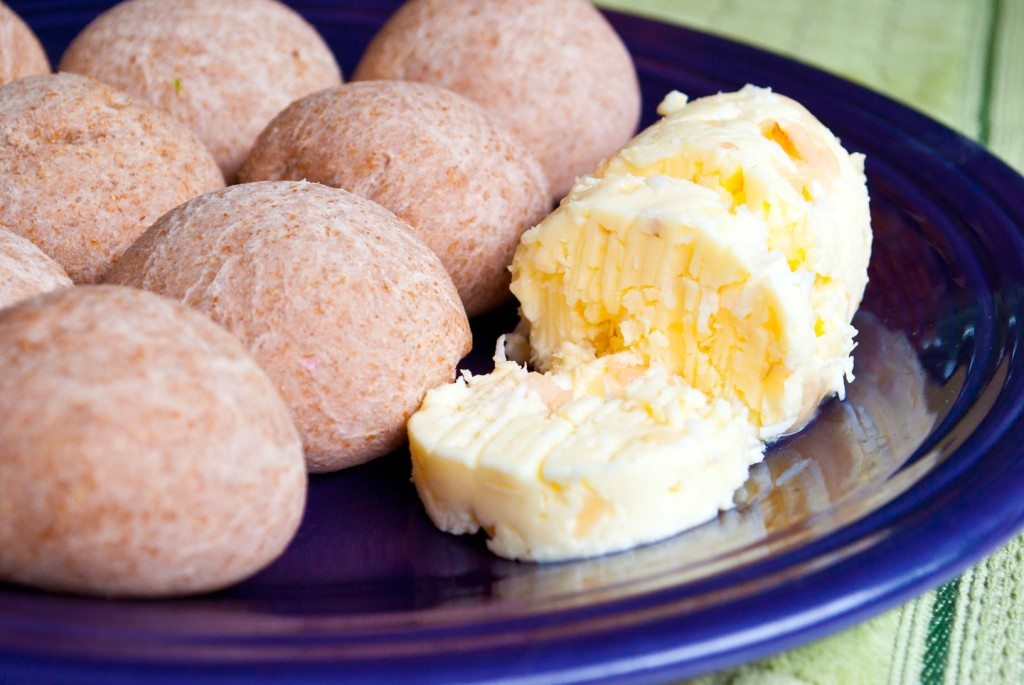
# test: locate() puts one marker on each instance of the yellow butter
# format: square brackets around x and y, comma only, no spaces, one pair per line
[572,465]
[738,265]
[690,300]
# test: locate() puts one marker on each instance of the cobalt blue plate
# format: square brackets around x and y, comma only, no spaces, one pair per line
[917,474]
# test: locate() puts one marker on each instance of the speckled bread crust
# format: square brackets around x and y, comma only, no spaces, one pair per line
[25,271]
[553,70]
[85,170]
[142,451]
[20,52]
[223,67]
[350,314]
[434,158]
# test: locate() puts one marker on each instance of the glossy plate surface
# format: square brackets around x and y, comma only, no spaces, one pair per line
[918,473]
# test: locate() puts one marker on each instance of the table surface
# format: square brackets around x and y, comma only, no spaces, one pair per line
[961,62]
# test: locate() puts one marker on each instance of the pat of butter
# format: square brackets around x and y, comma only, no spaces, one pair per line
[609,456]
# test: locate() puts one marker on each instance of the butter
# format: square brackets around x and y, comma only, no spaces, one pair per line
[660,267]
[739,264]
[767,153]
[608,456]
[686,303]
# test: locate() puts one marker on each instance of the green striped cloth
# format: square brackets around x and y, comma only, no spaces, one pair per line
[970,630]
[962,62]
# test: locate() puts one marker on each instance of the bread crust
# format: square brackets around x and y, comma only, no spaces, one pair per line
[21,54]
[222,68]
[437,160]
[25,271]
[86,170]
[346,309]
[554,71]
[142,451]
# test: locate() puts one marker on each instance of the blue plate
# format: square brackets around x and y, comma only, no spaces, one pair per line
[919,473]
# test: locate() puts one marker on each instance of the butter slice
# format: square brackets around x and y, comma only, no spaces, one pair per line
[577,464]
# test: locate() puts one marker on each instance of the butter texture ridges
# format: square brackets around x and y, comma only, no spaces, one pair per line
[578,463]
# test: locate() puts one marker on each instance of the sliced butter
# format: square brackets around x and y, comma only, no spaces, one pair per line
[579,464]
[690,300]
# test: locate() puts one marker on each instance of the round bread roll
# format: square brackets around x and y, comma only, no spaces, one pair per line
[21,54]
[142,451]
[224,68]
[25,271]
[435,159]
[554,71]
[350,314]
[86,170]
